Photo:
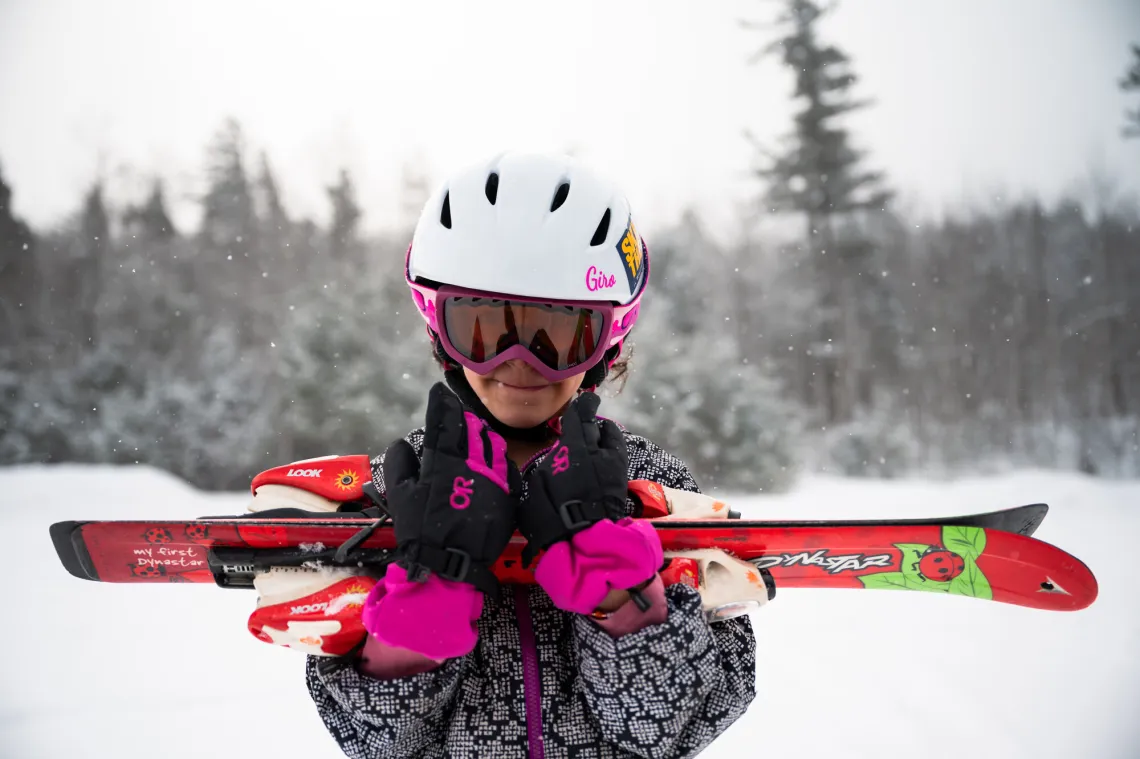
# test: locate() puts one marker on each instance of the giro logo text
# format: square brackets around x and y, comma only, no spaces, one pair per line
[596,279]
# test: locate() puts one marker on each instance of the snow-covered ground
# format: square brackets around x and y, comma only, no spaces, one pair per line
[99,671]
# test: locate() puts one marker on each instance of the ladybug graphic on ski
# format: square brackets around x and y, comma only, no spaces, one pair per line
[158,536]
[947,566]
[197,533]
[939,564]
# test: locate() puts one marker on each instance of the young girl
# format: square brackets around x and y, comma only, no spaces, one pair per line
[529,272]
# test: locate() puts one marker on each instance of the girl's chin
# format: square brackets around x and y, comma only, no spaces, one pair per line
[519,421]
[520,406]
[515,417]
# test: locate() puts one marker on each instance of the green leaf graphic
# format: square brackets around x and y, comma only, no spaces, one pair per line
[885,581]
[911,555]
[915,550]
[897,581]
[967,542]
[972,583]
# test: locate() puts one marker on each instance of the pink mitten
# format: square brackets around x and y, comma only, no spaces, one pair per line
[435,618]
[578,573]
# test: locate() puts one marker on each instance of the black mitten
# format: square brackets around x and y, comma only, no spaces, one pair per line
[454,511]
[582,481]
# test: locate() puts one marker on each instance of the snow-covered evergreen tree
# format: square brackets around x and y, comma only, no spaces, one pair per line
[229,262]
[1130,82]
[17,271]
[689,389]
[208,423]
[356,365]
[819,174]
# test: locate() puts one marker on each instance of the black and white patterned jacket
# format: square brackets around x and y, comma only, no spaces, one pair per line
[546,684]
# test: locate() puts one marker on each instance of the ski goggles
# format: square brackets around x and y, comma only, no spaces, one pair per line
[559,339]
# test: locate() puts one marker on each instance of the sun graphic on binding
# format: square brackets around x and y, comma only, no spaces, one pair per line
[356,592]
[347,479]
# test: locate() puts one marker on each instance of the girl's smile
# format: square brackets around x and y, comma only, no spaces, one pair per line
[519,396]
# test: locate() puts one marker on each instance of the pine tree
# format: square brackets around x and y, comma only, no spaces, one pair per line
[229,220]
[1131,83]
[343,242]
[18,290]
[356,367]
[689,389]
[150,221]
[153,295]
[275,227]
[283,260]
[90,261]
[272,210]
[228,262]
[819,174]
[17,270]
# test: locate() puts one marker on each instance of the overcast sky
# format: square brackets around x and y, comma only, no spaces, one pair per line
[972,96]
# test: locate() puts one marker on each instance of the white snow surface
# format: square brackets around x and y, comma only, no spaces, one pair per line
[100,670]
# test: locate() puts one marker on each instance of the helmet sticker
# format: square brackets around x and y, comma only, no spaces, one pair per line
[629,248]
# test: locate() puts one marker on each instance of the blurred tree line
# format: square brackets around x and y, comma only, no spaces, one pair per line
[871,343]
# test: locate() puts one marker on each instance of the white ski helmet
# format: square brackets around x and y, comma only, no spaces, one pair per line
[529,225]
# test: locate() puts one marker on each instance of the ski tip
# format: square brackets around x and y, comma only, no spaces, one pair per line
[1033,515]
[68,547]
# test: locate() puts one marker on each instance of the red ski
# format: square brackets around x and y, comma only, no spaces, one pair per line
[989,556]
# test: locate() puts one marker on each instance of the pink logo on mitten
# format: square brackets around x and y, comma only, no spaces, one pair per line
[561,460]
[461,493]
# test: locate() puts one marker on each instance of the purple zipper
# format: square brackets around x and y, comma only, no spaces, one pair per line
[532,682]
[532,679]
[535,458]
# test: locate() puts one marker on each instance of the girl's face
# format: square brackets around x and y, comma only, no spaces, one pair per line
[519,396]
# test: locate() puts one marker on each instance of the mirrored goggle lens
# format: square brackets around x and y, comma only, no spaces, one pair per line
[562,337]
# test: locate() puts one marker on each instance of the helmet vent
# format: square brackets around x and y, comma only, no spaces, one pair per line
[603,229]
[445,214]
[560,196]
[492,188]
